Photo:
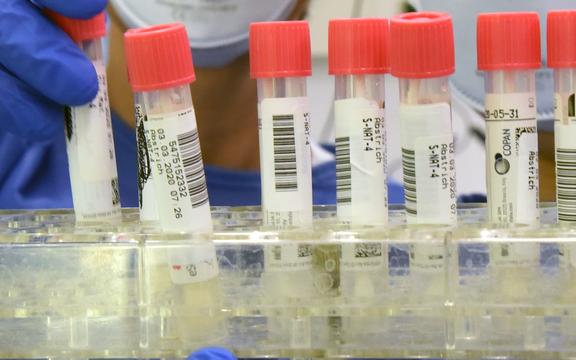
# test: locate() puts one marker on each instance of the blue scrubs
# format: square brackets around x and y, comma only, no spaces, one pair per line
[34,175]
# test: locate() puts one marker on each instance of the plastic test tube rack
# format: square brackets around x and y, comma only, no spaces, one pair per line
[105,291]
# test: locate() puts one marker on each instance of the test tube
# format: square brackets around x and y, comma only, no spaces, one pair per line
[422,57]
[89,138]
[160,71]
[358,58]
[562,58]
[508,50]
[280,61]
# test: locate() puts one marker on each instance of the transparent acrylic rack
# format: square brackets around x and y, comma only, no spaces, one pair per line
[401,292]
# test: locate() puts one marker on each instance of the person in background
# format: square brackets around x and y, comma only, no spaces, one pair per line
[41,70]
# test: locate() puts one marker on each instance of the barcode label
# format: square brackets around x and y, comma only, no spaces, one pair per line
[427,256]
[285,162]
[428,164]
[565,140]
[189,145]
[362,256]
[409,173]
[285,170]
[178,171]
[359,129]
[288,257]
[343,171]
[566,183]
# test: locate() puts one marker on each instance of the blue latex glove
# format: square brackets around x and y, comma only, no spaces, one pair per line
[41,69]
[212,353]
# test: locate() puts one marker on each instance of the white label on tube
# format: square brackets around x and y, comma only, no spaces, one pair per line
[362,196]
[362,256]
[288,257]
[512,158]
[179,180]
[92,159]
[427,257]
[286,162]
[193,264]
[146,192]
[428,163]
[515,253]
[565,140]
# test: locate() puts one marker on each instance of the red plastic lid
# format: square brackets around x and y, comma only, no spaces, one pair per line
[358,46]
[562,39]
[508,41]
[158,57]
[280,49]
[80,30]
[422,45]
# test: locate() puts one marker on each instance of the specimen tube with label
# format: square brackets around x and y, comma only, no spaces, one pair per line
[160,70]
[358,58]
[562,58]
[89,139]
[508,49]
[422,57]
[280,61]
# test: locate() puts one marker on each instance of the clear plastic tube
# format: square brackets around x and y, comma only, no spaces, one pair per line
[362,196]
[565,144]
[511,146]
[361,190]
[173,185]
[565,141]
[90,148]
[285,163]
[285,157]
[512,170]
[174,161]
[173,154]
[428,151]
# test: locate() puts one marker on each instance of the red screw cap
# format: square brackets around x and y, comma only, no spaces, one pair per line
[280,49]
[562,39]
[158,57]
[508,41]
[80,30]
[358,46]
[422,45]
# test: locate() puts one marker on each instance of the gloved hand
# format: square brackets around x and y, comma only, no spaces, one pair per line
[212,353]
[41,69]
